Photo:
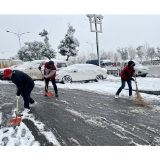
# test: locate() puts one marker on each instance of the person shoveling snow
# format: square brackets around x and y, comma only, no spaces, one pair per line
[24,84]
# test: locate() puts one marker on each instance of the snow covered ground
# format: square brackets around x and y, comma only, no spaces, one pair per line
[23,136]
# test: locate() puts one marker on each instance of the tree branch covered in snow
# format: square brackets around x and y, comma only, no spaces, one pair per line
[35,51]
[44,33]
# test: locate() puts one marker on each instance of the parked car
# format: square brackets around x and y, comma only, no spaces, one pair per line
[31,68]
[140,70]
[81,72]
[105,63]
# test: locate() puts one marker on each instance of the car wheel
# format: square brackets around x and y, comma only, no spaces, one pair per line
[98,78]
[66,79]
[143,75]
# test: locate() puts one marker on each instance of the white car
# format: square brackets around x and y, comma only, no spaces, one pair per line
[81,72]
[31,68]
[140,70]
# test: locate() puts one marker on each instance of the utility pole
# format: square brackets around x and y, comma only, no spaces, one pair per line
[96,19]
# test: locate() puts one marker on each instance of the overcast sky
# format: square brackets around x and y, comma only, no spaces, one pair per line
[118,30]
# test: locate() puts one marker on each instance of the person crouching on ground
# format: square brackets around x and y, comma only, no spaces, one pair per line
[24,85]
[49,74]
[126,76]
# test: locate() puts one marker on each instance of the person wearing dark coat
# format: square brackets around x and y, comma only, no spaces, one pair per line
[24,85]
[126,76]
[49,74]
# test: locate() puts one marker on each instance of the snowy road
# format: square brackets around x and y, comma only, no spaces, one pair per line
[78,117]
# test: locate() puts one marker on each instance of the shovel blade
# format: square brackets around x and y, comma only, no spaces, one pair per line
[49,94]
[15,122]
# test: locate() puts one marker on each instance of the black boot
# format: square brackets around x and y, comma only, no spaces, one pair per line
[57,95]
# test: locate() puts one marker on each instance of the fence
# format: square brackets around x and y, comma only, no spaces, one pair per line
[114,71]
[6,64]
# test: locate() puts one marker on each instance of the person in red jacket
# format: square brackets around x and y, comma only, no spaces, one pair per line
[49,74]
[126,76]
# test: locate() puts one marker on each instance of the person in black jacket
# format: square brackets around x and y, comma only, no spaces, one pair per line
[24,84]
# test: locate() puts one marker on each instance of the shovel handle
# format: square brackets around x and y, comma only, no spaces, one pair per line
[17,109]
[44,81]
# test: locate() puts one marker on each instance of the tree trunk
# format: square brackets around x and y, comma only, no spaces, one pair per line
[67,58]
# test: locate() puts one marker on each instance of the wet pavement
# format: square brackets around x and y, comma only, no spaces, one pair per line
[84,118]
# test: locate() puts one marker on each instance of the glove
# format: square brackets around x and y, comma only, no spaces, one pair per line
[132,79]
[17,97]
[44,78]
[39,68]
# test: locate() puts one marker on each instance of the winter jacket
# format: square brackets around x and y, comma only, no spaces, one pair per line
[48,72]
[21,80]
[128,71]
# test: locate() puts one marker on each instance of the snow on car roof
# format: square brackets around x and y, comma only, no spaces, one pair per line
[54,60]
[23,66]
[82,67]
[27,65]
[105,60]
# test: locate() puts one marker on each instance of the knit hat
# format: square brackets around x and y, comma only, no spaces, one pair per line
[7,72]
[51,63]
[131,64]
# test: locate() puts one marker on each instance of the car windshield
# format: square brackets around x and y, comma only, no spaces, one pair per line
[59,65]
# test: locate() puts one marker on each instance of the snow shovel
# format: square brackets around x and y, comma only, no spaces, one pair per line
[16,121]
[49,94]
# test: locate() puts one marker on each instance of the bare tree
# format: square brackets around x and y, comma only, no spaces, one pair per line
[131,52]
[145,48]
[151,53]
[123,52]
[140,52]
[158,52]
[116,57]
[103,54]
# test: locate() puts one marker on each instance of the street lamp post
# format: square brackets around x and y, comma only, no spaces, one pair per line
[91,45]
[18,35]
[96,19]
[3,53]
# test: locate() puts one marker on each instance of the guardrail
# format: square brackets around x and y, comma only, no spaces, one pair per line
[115,72]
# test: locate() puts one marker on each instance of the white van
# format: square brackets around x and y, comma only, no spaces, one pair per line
[140,70]
[31,68]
